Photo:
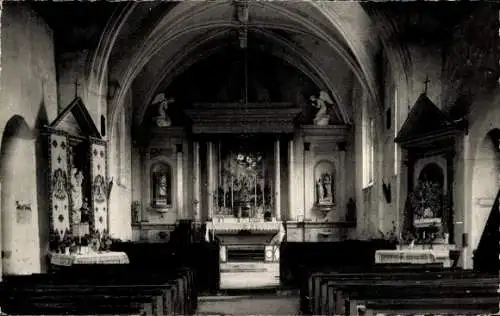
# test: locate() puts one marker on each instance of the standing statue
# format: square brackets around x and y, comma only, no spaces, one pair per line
[85,212]
[322,117]
[327,186]
[162,120]
[324,192]
[76,194]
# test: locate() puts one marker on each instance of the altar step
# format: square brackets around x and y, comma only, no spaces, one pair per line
[259,292]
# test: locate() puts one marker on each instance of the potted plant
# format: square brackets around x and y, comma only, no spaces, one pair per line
[390,237]
[55,242]
[84,243]
[105,242]
[66,242]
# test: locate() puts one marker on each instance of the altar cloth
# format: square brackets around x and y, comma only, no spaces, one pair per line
[419,256]
[111,257]
[440,254]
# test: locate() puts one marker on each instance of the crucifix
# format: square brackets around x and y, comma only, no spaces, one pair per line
[426,84]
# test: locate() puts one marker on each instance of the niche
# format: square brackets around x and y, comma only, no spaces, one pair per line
[161,185]
[324,186]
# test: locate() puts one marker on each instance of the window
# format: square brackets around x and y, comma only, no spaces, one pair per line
[121,133]
[396,130]
[161,185]
[368,151]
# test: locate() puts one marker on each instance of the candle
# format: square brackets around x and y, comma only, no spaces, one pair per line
[232,193]
[255,192]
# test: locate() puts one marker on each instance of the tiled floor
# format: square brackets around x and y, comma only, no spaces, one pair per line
[260,304]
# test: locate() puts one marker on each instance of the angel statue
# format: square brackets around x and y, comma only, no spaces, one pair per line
[322,117]
[162,120]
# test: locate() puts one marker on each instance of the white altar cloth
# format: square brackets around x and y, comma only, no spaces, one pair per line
[404,256]
[89,258]
[439,254]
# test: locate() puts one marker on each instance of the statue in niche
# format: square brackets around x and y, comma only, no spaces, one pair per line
[324,190]
[322,117]
[162,120]
[76,194]
[161,189]
[163,185]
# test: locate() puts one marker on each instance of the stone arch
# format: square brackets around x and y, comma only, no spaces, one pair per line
[19,202]
[485,183]
[356,52]
[298,59]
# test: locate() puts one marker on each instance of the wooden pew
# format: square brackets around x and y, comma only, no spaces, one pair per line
[317,282]
[436,306]
[185,297]
[310,280]
[342,296]
[177,291]
[84,300]
[336,292]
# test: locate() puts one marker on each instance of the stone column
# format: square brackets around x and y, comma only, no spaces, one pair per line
[180,183]
[291,181]
[196,181]
[210,180]
[277,180]
[341,201]
[145,193]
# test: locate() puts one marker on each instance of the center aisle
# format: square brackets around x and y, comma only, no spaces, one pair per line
[252,304]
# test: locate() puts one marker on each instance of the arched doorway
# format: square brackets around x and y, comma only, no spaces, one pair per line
[485,186]
[19,207]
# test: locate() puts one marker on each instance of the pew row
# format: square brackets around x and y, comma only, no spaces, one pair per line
[340,292]
[129,292]
[311,278]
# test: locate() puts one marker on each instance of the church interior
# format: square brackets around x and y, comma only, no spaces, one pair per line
[332,150]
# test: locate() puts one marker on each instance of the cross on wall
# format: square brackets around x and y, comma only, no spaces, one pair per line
[426,84]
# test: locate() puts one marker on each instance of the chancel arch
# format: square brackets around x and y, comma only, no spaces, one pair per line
[292,14]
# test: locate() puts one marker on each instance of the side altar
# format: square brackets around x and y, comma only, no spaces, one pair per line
[429,231]
[77,190]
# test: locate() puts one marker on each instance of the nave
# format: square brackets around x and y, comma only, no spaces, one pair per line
[170,279]
[155,155]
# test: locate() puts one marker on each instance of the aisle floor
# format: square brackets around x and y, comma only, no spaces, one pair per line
[268,304]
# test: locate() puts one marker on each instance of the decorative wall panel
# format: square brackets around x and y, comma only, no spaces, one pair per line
[58,182]
[99,218]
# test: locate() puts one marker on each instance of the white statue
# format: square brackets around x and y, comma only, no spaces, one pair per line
[322,118]
[76,194]
[162,120]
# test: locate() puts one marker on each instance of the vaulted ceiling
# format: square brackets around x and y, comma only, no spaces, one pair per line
[146,46]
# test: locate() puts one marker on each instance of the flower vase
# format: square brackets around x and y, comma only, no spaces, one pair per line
[66,250]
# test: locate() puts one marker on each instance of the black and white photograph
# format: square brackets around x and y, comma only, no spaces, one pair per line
[249,157]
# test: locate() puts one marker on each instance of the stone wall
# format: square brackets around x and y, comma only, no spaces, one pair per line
[28,99]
